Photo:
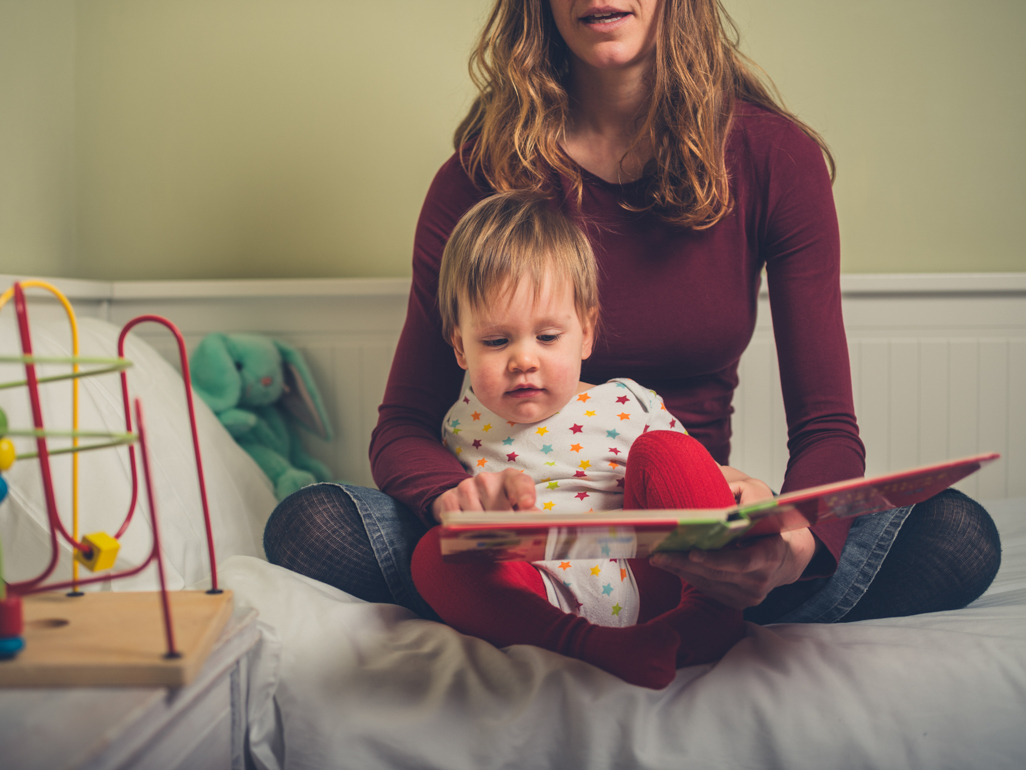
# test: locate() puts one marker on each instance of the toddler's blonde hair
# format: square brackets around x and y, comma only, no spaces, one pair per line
[505,239]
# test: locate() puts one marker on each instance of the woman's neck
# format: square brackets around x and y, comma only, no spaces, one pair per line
[606,106]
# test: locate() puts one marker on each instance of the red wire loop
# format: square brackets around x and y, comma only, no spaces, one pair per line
[187,380]
[44,454]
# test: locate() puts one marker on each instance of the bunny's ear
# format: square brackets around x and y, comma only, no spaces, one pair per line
[301,398]
[214,374]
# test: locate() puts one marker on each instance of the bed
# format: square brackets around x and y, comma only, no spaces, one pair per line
[359,685]
[338,682]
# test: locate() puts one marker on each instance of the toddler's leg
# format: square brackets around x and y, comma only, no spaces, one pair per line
[504,603]
[671,470]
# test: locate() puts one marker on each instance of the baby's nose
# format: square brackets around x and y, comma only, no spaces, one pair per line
[523,360]
[266,381]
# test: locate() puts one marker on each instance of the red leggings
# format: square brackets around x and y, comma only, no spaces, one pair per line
[505,602]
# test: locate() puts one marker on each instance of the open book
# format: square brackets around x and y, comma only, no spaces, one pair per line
[535,536]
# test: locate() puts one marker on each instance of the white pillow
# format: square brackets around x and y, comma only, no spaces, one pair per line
[239,494]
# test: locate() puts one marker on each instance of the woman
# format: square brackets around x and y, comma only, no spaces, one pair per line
[641,119]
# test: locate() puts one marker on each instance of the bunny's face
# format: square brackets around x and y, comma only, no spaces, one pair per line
[259,365]
[237,370]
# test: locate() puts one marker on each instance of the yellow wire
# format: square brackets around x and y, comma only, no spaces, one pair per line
[4,299]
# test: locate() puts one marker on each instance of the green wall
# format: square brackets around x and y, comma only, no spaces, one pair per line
[37,139]
[296,138]
[923,103]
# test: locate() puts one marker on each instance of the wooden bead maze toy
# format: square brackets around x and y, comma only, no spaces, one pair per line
[52,638]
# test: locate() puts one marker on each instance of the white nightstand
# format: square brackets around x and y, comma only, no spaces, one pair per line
[196,727]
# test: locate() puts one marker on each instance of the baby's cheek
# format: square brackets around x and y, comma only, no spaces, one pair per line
[488,389]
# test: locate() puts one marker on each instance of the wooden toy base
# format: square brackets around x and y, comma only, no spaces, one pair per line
[107,638]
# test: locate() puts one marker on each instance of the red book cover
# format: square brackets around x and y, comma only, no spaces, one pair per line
[538,536]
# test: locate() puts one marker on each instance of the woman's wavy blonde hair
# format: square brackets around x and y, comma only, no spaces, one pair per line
[520,66]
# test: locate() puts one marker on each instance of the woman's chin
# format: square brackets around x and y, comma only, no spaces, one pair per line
[613,55]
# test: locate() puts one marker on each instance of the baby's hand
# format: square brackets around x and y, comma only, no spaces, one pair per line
[746,489]
[510,490]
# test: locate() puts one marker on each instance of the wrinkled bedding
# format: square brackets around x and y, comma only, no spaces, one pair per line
[348,684]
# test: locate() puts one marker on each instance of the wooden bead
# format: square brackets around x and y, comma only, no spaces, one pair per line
[103,550]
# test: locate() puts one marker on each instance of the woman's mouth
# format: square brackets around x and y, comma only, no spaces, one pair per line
[603,16]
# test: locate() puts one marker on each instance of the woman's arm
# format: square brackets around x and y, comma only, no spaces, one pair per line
[801,244]
[408,460]
[799,240]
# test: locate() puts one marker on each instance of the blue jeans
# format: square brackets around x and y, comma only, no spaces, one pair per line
[393,532]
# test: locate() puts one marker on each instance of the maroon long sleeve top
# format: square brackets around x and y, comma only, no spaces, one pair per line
[678,308]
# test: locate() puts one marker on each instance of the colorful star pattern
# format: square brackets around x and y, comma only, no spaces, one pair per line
[587,474]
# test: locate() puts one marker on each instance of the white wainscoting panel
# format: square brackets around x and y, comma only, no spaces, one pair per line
[346,329]
[938,362]
[938,371]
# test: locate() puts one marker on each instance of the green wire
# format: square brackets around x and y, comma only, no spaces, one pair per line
[108,365]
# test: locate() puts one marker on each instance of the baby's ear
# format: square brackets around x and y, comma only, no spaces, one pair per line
[457,346]
[589,327]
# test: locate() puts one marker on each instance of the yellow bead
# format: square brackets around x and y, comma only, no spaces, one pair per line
[7,453]
[103,550]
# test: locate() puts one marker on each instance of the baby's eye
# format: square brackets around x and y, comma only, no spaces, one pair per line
[549,337]
[495,343]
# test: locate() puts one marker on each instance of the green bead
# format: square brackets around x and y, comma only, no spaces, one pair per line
[3,422]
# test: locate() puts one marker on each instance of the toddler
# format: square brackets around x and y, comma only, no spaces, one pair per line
[519,303]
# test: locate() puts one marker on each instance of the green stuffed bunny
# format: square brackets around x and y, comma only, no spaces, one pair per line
[260,389]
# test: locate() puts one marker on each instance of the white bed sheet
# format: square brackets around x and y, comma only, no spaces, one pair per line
[348,684]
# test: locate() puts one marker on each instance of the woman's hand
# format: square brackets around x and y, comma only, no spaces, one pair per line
[743,577]
[746,489]
[510,490]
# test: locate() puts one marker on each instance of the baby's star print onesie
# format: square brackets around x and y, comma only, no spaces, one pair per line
[577,459]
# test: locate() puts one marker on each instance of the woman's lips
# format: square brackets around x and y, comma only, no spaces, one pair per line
[524,392]
[604,16]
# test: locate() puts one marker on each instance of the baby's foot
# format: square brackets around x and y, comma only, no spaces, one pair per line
[644,655]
